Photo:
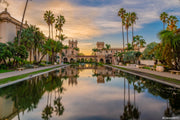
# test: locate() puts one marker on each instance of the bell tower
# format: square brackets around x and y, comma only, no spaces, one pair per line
[73,44]
[100,45]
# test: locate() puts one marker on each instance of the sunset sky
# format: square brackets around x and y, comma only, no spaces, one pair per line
[90,21]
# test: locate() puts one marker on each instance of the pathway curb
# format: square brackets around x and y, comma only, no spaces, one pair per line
[26,78]
[144,76]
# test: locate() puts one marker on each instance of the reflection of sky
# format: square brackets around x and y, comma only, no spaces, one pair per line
[90,21]
[91,101]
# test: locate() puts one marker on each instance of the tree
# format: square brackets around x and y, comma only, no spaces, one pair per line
[170,43]
[172,23]
[133,21]
[108,46]
[62,37]
[139,41]
[148,53]
[60,21]
[127,24]
[122,13]
[164,18]
[27,39]
[49,18]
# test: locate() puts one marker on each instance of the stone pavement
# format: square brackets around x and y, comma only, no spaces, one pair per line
[163,74]
[16,73]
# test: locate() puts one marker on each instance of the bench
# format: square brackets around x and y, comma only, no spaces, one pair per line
[35,66]
[20,69]
[175,71]
[152,68]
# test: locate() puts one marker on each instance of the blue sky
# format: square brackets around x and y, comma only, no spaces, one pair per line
[90,21]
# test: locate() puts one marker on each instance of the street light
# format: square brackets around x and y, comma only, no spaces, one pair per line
[19,36]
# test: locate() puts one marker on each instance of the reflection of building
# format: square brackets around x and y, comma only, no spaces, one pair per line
[9,27]
[7,109]
[71,74]
[102,74]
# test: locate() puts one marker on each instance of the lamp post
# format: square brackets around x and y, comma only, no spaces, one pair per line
[19,36]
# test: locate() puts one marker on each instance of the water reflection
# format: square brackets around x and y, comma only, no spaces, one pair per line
[54,96]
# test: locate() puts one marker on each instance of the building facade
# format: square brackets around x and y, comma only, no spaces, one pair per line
[70,54]
[102,55]
[9,27]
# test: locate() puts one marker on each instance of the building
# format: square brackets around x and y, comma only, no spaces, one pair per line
[9,27]
[106,55]
[70,54]
[102,55]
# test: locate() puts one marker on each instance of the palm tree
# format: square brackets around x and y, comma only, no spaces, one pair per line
[164,18]
[172,23]
[133,21]
[139,41]
[27,39]
[60,21]
[121,13]
[170,47]
[108,46]
[127,24]
[142,43]
[48,16]
[52,22]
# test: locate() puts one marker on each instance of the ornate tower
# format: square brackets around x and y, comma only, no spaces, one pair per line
[73,44]
[100,45]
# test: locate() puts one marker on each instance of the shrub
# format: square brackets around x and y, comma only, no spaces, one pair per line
[28,66]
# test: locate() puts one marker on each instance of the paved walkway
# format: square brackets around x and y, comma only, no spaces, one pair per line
[16,73]
[163,74]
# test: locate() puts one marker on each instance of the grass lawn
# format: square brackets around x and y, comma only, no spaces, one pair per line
[4,71]
[14,78]
[170,80]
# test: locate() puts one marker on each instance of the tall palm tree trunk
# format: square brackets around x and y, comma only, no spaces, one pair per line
[123,35]
[127,38]
[52,31]
[163,26]
[128,92]
[49,31]
[124,92]
[30,56]
[132,34]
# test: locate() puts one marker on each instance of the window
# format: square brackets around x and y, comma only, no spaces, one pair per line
[73,52]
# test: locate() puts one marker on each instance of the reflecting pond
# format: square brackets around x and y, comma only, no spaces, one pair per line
[88,92]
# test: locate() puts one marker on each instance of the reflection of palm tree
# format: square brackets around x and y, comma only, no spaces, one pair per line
[168,112]
[59,108]
[48,110]
[130,111]
[108,79]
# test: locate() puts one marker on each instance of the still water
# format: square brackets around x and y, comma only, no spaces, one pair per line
[88,92]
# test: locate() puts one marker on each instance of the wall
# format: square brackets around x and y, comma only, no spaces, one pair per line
[7,32]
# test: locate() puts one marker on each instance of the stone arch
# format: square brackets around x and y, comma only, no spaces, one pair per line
[65,60]
[82,60]
[101,60]
[108,61]
[71,60]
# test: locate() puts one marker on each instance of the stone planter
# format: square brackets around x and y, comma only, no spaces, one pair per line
[127,64]
[160,68]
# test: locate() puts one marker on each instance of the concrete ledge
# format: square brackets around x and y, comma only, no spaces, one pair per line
[147,77]
[27,78]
